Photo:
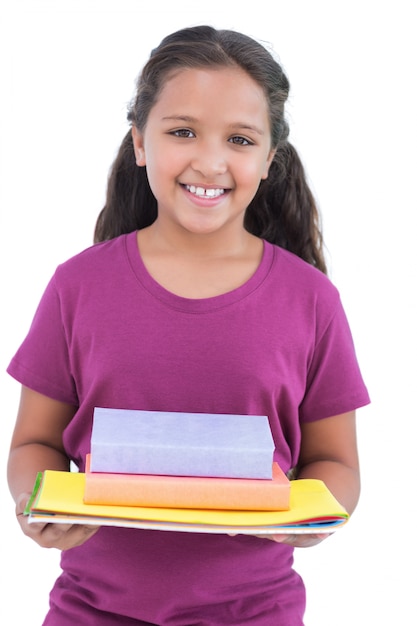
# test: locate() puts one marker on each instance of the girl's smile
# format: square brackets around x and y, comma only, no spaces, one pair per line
[206,196]
[206,147]
[203,192]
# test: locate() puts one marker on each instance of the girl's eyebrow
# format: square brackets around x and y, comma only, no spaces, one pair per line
[244,126]
[179,118]
[236,126]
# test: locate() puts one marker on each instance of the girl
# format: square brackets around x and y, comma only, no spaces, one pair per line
[205,292]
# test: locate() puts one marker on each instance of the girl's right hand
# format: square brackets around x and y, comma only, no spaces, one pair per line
[60,536]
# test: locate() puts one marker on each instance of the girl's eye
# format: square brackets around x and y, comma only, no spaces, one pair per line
[240,141]
[183,132]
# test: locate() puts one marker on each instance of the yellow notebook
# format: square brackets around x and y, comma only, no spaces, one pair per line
[58,497]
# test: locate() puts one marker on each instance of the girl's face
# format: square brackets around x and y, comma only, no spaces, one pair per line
[206,147]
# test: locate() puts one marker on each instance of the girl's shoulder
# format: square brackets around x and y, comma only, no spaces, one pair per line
[298,275]
[96,261]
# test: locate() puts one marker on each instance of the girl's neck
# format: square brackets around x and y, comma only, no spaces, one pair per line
[200,267]
[231,243]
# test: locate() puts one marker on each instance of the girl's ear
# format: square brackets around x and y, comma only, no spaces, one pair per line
[268,164]
[138,147]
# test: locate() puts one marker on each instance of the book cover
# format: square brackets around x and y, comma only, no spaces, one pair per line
[58,498]
[181,444]
[188,492]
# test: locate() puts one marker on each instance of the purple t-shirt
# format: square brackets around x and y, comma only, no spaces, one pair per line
[106,334]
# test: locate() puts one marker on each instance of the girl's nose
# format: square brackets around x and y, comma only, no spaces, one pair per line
[209,160]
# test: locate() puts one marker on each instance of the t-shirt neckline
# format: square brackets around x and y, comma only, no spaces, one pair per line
[200,304]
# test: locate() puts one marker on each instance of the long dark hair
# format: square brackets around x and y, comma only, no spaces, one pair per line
[283,210]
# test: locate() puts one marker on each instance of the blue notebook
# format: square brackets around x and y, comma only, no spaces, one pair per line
[181,444]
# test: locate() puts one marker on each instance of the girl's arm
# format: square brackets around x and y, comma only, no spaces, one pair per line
[37,445]
[329,453]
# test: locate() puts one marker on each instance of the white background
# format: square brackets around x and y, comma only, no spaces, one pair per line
[67,72]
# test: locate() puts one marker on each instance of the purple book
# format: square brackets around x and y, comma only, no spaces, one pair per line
[181,444]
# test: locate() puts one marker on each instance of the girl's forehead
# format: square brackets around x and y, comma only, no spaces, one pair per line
[212,84]
[215,73]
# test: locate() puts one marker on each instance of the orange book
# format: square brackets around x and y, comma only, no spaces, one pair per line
[188,492]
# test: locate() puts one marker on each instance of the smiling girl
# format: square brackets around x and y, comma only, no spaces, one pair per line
[205,291]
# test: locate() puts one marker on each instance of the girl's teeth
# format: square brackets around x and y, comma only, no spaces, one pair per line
[209,193]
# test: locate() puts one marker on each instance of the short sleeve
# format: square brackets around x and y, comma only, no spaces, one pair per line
[334,381]
[42,362]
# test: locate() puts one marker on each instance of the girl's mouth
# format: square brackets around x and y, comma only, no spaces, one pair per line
[203,192]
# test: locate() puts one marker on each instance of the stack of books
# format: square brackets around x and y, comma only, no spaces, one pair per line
[184,460]
[184,472]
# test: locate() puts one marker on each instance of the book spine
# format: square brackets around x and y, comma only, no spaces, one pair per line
[188,492]
[190,461]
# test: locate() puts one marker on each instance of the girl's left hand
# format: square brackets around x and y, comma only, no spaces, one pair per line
[297,541]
